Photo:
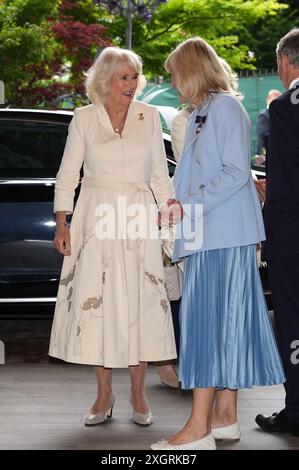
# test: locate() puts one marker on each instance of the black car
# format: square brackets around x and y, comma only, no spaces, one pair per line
[31,147]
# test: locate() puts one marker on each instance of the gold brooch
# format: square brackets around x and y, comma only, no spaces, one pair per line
[140,117]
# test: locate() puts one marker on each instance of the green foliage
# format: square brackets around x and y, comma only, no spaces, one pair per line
[41,40]
[221,22]
[46,47]
[21,42]
[85,11]
[262,39]
[20,12]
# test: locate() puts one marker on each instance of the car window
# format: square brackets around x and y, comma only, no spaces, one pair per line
[171,167]
[31,147]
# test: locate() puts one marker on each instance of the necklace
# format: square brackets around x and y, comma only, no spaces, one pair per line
[118,125]
[117,120]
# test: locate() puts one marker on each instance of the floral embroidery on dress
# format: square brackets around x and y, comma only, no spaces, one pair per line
[158,281]
[89,311]
[92,302]
[70,293]
[151,277]
[87,307]
[66,297]
[69,298]
[69,277]
[154,279]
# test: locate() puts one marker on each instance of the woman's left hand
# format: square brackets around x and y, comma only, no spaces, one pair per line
[261,189]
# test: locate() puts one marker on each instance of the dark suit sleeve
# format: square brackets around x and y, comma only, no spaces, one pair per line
[284,119]
[263,129]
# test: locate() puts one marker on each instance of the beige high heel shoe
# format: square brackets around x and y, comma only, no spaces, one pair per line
[143,419]
[99,418]
[168,375]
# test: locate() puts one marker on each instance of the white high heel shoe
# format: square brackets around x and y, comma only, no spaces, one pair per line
[143,419]
[98,418]
[168,375]
[205,443]
[227,433]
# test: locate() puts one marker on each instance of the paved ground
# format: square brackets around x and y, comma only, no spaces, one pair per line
[43,402]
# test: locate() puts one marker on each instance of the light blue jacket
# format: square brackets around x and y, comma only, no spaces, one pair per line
[214,174]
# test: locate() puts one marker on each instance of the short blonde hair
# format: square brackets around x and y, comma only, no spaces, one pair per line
[109,62]
[198,70]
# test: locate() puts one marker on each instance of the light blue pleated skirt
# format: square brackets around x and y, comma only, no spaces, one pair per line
[227,339]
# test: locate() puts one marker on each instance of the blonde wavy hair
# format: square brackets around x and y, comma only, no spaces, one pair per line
[107,64]
[197,70]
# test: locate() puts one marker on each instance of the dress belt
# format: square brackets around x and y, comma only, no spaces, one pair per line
[104,183]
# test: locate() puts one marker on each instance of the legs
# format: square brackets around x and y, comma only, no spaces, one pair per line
[199,423]
[283,275]
[139,401]
[203,417]
[104,377]
[168,373]
[225,408]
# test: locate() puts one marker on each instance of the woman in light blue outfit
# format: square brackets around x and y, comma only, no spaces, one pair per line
[227,341]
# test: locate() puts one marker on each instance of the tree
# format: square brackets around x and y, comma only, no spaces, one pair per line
[218,21]
[130,9]
[263,37]
[46,48]
[21,42]
[46,45]
[78,41]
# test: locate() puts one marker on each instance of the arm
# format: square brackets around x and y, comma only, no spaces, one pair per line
[232,134]
[66,181]
[67,178]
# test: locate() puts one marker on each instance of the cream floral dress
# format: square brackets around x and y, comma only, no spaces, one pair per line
[112,308]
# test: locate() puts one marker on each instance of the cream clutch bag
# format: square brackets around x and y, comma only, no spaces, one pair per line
[173,279]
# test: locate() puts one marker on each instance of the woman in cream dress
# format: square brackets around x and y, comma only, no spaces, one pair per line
[112,308]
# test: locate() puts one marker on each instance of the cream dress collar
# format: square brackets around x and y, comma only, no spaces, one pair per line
[104,119]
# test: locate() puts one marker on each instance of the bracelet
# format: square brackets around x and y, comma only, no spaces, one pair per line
[65,224]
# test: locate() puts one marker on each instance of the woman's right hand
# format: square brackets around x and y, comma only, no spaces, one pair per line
[171,213]
[175,211]
[62,240]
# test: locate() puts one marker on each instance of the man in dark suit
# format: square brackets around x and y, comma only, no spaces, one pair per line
[281,249]
[263,124]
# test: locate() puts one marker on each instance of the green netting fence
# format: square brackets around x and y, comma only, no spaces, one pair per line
[254,89]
